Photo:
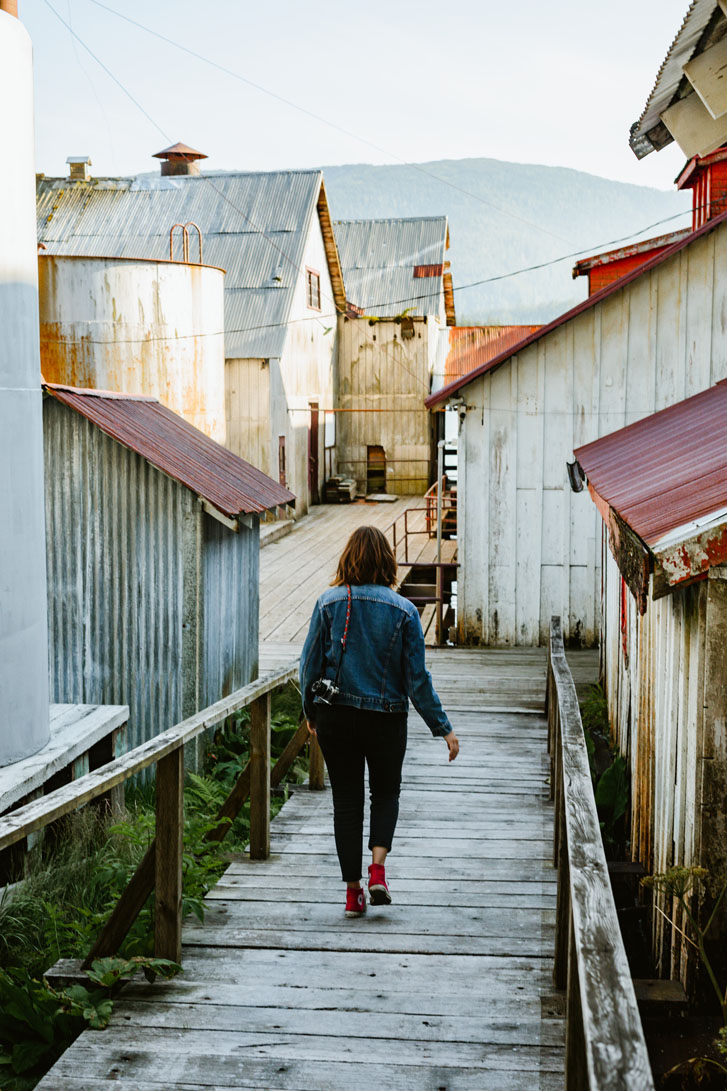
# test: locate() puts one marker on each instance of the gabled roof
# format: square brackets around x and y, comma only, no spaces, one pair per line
[649,133]
[144,425]
[574,312]
[665,477]
[255,226]
[396,265]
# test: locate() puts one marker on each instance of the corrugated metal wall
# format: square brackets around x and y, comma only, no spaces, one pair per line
[528,547]
[668,721]
[231,574]
[127,583]
[378,369]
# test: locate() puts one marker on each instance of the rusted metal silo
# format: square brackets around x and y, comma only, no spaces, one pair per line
[24,721]
[137,326]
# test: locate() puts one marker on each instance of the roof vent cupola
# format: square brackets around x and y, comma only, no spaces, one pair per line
[179,159]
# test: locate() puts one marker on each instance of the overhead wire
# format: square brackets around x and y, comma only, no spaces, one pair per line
[418,167]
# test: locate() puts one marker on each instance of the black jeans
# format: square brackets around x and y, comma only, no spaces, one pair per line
[349,737]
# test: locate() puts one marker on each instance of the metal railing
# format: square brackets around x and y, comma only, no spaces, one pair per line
[605,1046]
[161,868]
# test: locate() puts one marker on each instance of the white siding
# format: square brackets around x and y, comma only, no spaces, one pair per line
[529,547]
[266,399]
[664,679]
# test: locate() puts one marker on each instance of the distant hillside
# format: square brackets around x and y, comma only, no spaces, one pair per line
[584,211]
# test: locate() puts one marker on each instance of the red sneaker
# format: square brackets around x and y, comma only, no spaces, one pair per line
[355,902]
[378,890]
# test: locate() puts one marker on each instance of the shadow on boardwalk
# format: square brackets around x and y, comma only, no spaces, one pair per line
[448,988]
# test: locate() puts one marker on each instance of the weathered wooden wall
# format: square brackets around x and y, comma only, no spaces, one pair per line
[266,399]
[381,370]
[528,547]
[667,696]
[149,603]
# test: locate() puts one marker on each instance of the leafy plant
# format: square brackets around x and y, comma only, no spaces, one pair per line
[37,1022]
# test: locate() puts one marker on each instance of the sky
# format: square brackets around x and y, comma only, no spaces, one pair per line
[557,83]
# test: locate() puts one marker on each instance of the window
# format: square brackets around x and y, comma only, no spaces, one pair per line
[313,289]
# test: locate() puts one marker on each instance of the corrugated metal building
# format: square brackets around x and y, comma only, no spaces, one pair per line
[153,549]
[400,299]
[528,548]
[661,487]
[272,234]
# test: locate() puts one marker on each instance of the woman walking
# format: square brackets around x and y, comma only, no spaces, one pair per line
[362,660]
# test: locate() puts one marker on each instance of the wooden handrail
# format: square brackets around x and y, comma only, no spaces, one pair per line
[40,812]
[161,866]
[605,1046]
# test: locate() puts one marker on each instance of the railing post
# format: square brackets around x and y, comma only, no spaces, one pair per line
[260,778]
[315,766]
[576,1068]
[168,863]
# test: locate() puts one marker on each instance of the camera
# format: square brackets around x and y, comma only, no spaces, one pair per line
[325,690]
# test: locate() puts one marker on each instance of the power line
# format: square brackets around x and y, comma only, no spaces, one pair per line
[206,178]
[325,121]
[389,303]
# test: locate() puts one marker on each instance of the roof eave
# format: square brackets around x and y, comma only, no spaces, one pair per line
[574,312]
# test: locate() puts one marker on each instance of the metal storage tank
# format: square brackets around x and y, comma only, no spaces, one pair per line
[137,326]
[24,719]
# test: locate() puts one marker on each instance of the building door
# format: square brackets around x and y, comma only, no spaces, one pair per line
[313,454]
[375,469]
[281,462]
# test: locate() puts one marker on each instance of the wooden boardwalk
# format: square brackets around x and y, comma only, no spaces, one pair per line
[448,988]
[296,569]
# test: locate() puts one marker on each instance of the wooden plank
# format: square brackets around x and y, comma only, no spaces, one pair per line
[280,990]
[260,778]
[127,909]
[168,870]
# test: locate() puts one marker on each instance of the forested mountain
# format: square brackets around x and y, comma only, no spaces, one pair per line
[507,216]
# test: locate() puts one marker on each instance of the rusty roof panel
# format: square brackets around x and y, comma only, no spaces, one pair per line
[661,242]
[667,471]
[146,426]
[471,347]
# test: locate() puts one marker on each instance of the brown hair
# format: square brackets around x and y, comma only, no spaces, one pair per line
[367,558]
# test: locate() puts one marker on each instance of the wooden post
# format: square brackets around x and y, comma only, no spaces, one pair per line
[576,1069]
[316,782]
[169,831]
[260,778]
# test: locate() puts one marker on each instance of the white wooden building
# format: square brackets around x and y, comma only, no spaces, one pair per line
[661,488]
[528,547]
[400,300]
[272,234]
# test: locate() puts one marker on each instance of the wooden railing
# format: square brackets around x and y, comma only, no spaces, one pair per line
[605,1047]
[161,868]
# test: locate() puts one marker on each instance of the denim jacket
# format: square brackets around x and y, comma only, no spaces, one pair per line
[383,665]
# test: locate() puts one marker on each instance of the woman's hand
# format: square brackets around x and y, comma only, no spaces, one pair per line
[453,743]
[312,728]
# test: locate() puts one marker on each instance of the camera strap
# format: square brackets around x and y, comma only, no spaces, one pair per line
[345,634]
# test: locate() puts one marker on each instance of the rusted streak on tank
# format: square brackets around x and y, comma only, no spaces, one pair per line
[693,558]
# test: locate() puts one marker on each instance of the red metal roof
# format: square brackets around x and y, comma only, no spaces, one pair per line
[667,470]
[659,243]
[472,346]
[597,297]
[168,442]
